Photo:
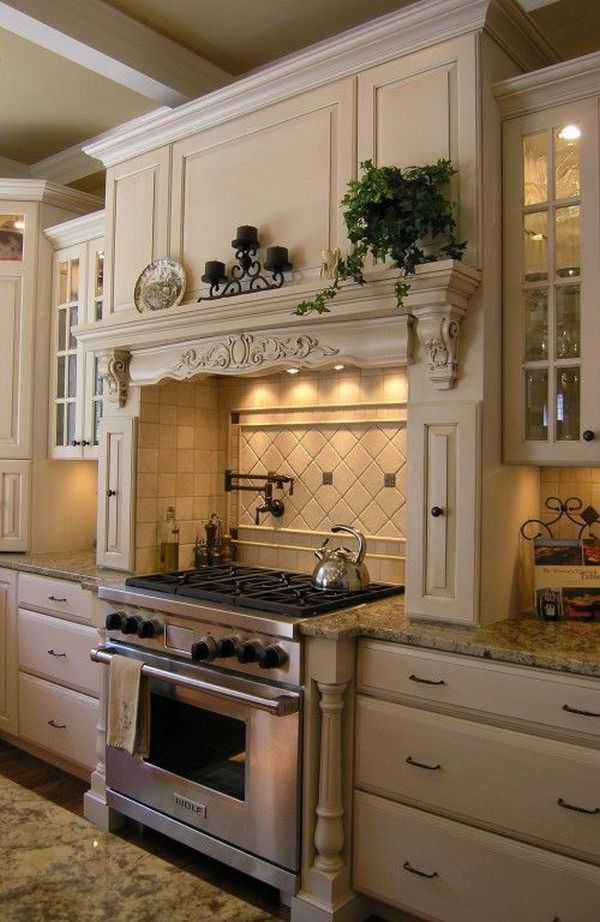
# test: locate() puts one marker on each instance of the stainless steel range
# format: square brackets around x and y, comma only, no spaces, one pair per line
[223,660]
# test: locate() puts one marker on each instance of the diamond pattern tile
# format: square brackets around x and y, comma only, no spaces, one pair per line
[358,455]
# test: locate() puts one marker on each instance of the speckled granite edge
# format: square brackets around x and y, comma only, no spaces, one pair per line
[78,567]
[525,640]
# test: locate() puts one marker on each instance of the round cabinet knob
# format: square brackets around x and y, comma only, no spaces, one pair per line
[250,651]
[150,628]
[272,657]
[130,624]
[436,511]
[227,647]
[204,650]
[114,620]
[588,435]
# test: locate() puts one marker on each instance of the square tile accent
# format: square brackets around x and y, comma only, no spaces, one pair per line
[389,480]
[327,478]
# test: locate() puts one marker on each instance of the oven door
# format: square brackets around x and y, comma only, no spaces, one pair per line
[223,757]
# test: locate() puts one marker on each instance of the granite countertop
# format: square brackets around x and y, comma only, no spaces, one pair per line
[77,566]
[525,640]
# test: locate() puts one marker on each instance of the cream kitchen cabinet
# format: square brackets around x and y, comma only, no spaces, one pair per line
[476,787]
[76,386]
[137,223]
[116,492]
[552,271]
[442,575]
[8,667]
[58,684]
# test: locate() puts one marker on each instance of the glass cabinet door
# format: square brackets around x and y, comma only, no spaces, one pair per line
[68,308]
[551,303]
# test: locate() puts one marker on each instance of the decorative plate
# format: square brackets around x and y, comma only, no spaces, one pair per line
[161,284]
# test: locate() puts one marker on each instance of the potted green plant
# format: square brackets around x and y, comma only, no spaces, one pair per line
[403,215]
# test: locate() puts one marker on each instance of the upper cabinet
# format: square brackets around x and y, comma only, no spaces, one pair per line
[76,387]
[137,223]
[552,273]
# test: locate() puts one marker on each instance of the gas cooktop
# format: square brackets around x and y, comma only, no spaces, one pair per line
[285,592]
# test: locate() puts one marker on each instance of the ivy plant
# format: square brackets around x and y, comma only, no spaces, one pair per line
[403,215]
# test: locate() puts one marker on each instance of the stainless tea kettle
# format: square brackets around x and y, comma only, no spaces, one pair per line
[339,569]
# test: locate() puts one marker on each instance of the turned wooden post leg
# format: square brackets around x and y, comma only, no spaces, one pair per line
[329,830]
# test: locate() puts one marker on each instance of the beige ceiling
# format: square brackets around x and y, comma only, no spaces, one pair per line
[72,69]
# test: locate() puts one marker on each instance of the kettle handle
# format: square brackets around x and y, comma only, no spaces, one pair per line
[362,544]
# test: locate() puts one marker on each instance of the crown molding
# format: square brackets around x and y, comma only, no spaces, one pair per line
[552,86]
[48,193]
[411,28]
[77,230]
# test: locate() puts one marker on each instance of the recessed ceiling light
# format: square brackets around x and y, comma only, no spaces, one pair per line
[292,371]
[19,225]
[569,133]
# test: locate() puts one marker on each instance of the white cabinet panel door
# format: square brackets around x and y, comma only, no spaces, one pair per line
[116,497]
[15,479]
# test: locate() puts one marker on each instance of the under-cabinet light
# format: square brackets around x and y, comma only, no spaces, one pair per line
[19,225]
[338,367]
[292,371]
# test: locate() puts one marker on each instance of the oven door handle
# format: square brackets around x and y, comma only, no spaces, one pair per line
[278,707]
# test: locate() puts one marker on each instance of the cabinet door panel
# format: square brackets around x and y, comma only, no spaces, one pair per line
[552,286]
[14,505]
[15,397]
[442,564]
[283,169]
[116,497]
[59,719]
[8,658]
[137,215]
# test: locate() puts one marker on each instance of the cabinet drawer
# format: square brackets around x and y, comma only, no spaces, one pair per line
[484,774]
[56,596]
[58,650]
[445,870]
[514,693]
[60,720]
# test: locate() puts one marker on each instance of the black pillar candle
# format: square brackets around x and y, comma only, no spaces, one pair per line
[214,271]
[277,259]
[246,236]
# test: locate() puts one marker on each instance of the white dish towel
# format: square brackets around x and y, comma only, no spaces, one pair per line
[128,706]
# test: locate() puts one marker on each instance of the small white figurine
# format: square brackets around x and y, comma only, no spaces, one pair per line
[329,260]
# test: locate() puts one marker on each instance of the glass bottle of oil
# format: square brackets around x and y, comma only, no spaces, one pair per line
[168,542]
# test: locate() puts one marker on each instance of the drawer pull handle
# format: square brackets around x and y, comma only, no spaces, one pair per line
[568,806]
[408,867]
[52,723]
[54,653]
[571,710]
[110,493]
[416,678]
[430,768]
[54,598]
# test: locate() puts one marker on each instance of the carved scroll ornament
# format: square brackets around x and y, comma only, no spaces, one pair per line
[246,351]
[438,331]
[114,371]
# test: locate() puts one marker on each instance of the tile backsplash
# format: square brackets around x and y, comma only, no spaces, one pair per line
[566,482]
[340,435]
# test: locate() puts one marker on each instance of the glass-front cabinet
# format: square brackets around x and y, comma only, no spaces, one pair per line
[551,286]
[76,385]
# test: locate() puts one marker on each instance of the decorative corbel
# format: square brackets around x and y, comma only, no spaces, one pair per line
[438,301]
[114,371]
[438,329]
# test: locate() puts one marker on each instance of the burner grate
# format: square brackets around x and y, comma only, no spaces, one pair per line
[283,592]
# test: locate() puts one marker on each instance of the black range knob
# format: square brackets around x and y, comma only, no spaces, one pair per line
[114,620]
[130,624]
[250,651]
[149,628]
[227,647]
[272,656]
[588,435]
[204,650]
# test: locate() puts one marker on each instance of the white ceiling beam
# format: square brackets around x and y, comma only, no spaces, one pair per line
[529,5]
[13,169]
[106,41]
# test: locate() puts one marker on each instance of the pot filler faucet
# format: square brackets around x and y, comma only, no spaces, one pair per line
[263,484]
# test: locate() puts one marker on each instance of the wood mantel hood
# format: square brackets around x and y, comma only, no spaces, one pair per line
[258,333]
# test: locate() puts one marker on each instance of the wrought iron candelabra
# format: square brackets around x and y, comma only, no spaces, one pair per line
[247,275]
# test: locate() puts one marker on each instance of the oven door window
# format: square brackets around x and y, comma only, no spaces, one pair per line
[200,745]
